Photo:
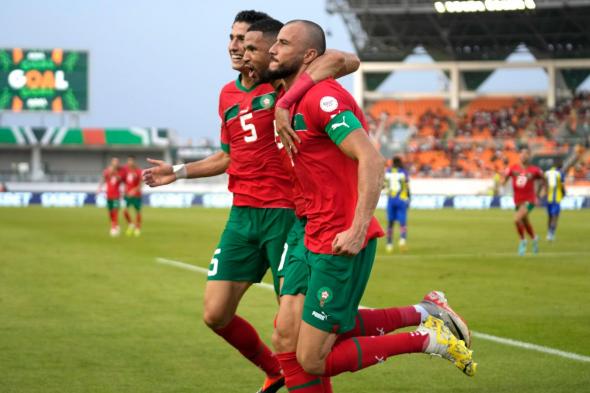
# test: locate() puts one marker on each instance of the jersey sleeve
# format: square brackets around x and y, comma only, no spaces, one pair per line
[224,136]
[508,172]
[332,112]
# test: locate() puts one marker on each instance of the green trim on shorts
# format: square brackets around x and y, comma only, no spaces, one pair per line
[252,241]
[336,286]
[529,206]
[133,201]
[113,204]
[341,125]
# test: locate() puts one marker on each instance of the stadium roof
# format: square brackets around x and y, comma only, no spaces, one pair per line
[390,30]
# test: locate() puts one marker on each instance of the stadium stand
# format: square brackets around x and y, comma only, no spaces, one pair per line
[482,138]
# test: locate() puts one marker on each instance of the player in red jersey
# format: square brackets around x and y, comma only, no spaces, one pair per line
[293,269]
[262,207]
[340,174]
[524,178]
[133,183]
[112,176]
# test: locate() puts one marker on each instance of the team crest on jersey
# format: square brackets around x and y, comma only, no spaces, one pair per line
[328,104]
[267,101]
[324,295]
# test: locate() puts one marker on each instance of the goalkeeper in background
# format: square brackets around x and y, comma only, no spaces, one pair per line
[398,201]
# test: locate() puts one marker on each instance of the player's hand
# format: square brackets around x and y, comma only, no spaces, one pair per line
[288,136]
[159,174]
[348,243]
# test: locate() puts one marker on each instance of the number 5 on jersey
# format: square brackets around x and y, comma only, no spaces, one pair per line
[248,127]
[214,263]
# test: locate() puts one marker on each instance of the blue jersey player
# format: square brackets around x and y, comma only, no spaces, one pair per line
[398,200]
[555,193]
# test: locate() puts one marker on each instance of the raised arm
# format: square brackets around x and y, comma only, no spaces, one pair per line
[358,146]
[163,173]
[332,64]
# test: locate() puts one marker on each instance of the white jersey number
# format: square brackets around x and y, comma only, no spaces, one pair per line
[248,127]
[214,263]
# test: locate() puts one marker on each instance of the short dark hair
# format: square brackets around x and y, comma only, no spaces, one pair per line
[315,34]
[268,26]
[250,16]
[397,162]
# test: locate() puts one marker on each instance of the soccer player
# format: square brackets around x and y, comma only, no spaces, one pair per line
[555,189]
[341,175]
[112,176]
[133,183]
[293,270]
[524,178]
[554,179]
[398,200]
[262,208]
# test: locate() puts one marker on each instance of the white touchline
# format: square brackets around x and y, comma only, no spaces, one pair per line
[482,336]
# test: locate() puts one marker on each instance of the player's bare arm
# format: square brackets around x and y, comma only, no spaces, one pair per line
[358,146]
[332,64]
[162,173]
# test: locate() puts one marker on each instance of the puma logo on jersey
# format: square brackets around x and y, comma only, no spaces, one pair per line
[342,123]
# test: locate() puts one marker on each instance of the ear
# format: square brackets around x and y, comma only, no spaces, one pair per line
[309,56]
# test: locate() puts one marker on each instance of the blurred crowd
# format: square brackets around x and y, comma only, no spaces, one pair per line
[482,138]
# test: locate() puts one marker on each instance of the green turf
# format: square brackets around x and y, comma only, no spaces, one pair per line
[82,312]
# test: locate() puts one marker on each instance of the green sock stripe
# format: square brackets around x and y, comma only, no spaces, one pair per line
[361,324]
[305,385]
[359,353]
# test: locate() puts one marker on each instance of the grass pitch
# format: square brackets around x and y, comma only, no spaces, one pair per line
[82,312]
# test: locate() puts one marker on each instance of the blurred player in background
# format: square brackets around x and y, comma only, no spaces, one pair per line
[112,176]
[133,183]
[554,179]
[524,178]
[555,189]
[397,185]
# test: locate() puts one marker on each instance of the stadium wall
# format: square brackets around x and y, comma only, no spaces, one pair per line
[426,194]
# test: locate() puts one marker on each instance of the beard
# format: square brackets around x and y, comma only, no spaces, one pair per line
[284,71]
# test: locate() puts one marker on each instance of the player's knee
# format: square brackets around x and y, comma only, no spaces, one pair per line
[215,318]
[284,337]
[311,362]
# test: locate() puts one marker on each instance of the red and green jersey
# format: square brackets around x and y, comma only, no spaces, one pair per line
[113,179]
[132,178]
[298,200]
[523,182]
[323,118]
[257,177]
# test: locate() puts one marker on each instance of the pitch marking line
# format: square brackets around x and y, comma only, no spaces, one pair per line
[482,336]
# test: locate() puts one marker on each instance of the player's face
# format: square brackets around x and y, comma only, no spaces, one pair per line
[131,162]
[256,55]
[286,54]
[236,44]
[114,162]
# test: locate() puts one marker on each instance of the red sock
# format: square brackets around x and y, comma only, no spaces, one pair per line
[377,322]
[520,230]
[114,213]
[327,384]
[127,216]
[297,380]
[243,337]
[360,352]
[529,229]
[138,220]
